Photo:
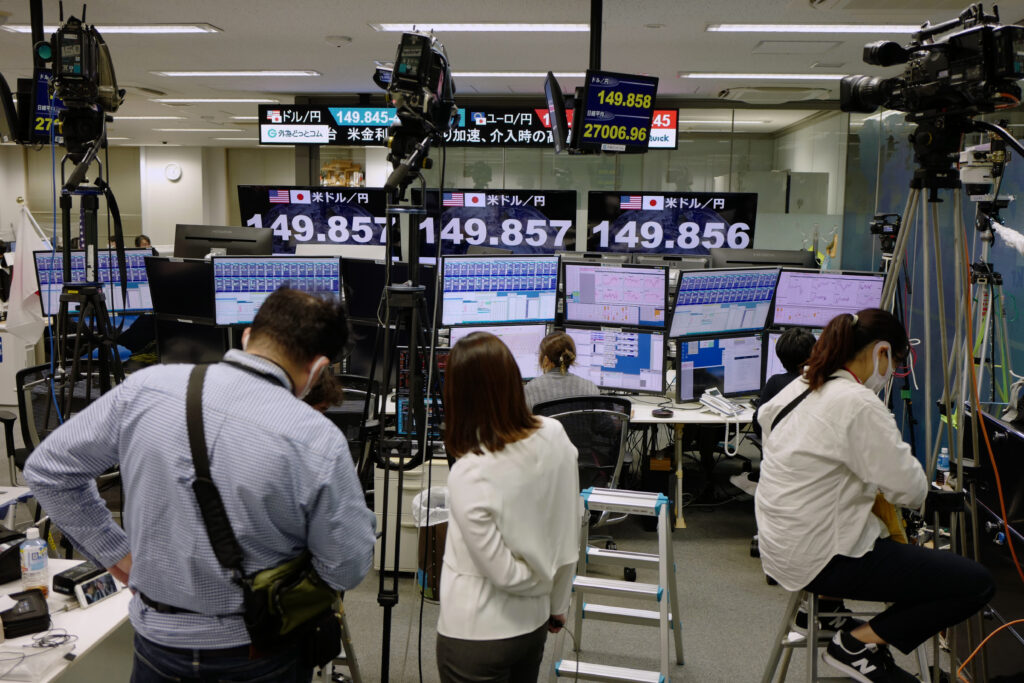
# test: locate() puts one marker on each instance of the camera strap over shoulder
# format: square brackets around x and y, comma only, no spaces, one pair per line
[793,404]
[211,505]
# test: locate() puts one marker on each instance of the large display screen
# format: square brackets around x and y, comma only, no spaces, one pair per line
[812,299]
[717,301]
[731,364]
[772,364]
[242,283]
[631,296]
[617,359]
[520,221]
[50,275]
[670,223]
[618,111]
[482,290]
[181,287]
[522,340]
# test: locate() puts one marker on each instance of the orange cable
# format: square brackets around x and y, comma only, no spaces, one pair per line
[984,432]
[981,645]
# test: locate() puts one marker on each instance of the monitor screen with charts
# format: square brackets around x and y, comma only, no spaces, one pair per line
[522,340]
[812,299]
[772,364]
[631,296]
[50,273]
[717,301]
[484,290]
[616,359]
[731,364]
[242,283]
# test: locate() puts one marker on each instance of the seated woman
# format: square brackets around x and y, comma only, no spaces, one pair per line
[513,533]
[557,354]
[793,349]
[830,446]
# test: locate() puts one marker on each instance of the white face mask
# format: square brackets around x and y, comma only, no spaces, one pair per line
[876,382]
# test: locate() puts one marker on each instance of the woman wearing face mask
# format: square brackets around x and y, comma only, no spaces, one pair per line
[830,446]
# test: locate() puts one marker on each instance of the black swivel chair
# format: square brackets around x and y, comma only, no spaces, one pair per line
[597,426]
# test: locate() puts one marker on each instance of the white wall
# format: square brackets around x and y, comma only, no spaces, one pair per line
[818,147]
[12,186]
[166,203]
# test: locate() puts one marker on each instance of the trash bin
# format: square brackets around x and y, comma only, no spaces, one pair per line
[431,516]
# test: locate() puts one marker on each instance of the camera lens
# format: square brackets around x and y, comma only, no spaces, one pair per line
[864,94]
[885,53]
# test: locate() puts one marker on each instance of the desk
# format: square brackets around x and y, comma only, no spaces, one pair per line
[9,495]
[641,415]
[90,625]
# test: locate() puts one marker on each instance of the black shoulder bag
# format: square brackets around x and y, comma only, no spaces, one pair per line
[286,604]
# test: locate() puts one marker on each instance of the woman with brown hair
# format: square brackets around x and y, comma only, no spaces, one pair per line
[557,354]
[830,447]
[515,517]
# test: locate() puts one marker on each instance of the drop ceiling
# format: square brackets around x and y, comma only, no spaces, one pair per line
[302,34]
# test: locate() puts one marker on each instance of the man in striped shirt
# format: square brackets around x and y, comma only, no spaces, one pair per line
[284,472]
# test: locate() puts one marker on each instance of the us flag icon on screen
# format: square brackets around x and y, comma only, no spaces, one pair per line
[279,197]
[299,196]
[632,201]
[451,199]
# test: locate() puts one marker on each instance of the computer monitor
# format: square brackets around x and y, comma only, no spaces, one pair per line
[813,298]
[738,258]
[556,113]
[364,285]
[181,287]
[50,276]
[197,241]
[242,283]
[630,296]
[483,290]
[620,359]
[179,341]
[672,261]
[730,364]
[719,301]
[772,364]
[522,340]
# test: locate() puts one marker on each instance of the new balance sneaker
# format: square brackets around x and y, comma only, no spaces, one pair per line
[863,662]
[827,626]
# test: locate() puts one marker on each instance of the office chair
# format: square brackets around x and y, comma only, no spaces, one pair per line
[597,426]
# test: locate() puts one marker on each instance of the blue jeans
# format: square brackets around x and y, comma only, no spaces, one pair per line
[156,664]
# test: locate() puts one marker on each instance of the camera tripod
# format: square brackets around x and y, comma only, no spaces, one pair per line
[935,143]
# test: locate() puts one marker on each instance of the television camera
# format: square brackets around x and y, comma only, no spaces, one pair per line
[887,227]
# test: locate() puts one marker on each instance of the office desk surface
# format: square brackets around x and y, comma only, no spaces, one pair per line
[91,625]
[643,407]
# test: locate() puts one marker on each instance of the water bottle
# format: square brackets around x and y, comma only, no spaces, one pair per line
[942,467]
[34,573]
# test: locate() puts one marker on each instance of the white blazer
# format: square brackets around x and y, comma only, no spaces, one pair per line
[513,537]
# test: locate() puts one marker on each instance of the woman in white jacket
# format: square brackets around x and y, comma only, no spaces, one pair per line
[513,534]
[830,446]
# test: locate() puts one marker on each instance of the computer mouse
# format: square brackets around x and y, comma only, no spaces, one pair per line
[662,412]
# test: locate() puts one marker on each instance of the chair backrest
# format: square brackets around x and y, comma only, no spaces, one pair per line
[36,410]
[597,426]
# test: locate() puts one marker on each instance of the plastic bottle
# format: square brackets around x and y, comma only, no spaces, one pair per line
[942,467]
[34,561]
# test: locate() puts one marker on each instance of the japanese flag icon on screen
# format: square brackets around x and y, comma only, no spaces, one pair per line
[654,203]
[475,199]
[299,196]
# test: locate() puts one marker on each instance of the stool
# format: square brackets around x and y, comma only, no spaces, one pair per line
[786,639]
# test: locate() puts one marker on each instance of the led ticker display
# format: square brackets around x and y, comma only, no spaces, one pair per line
[618,113]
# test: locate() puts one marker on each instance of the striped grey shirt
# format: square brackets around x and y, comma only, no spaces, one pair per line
[283,470]
[553,385]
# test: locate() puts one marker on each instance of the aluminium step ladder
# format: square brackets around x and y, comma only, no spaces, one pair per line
[662,596]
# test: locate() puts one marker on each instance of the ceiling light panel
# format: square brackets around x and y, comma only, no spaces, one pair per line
[484,27]
[267,73]
[516,74]
[146,29]
[813,28]
[215,100]
[760,77]
[198,130]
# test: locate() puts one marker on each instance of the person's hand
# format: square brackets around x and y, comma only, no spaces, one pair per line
[555,623]
[122,570]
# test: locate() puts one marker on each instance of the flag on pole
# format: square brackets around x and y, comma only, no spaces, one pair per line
[24,312]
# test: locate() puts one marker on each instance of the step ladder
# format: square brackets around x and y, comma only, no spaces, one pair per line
[330,673]
[660,599]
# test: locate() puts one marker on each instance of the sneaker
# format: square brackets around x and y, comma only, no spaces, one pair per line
[828,626]
[863,662]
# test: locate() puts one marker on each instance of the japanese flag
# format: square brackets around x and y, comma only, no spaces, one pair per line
[299,196]
[654,203]
[477,199]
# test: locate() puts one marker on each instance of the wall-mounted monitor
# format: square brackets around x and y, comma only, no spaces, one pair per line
[242,283]
[620,359]
[556,113]
[486,290]
[732,258]
[628,296]
[616,111]
[198,241]
[522,340]
[813,298]
[721,301]
[691,223]
[730,364]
